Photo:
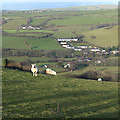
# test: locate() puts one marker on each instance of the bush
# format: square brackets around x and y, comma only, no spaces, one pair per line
[26,66]
[95,75]
[5,62]
[13,64]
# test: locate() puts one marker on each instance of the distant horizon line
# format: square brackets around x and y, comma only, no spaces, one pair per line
[59,2]
[48,5]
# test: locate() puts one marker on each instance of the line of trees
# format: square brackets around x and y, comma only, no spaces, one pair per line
[24,35]
[37,53]
[97,26]
[25,66]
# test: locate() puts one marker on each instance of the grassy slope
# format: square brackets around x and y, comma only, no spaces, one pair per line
[37,44]
[84,19]
[104,37]
[90,7]
[14,24]
[78,22]
[30,97]
[13,42]
[28,31]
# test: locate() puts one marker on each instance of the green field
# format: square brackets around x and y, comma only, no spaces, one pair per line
[38,21]
[26,58]
[36,44]
[14,24]
[25,96]
[84,19]
[103,37]
[28,31]
[62,24]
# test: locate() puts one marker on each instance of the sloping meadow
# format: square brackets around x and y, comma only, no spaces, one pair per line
[61,96]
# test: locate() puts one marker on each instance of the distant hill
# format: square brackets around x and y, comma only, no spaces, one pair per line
[103,37]
[90,7]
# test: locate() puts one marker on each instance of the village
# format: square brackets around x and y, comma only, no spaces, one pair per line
[29,27]
[65,43]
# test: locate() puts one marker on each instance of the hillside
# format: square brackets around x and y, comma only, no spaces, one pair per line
[33,43]
[89,7]
[63,40]
[56,24]
[103,37]
[25,96]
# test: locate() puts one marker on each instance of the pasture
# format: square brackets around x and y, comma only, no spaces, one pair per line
[36,44]
[83,19]
[25,96]
[61,24]
[28,31]
[64,95]
[103,37]
[14,24]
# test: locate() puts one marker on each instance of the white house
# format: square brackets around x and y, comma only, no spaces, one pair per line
[83,47]
[90,46]
[65,46]
[67,39]
[115,51]
[103,51]
[23,28]
[77,49]
[98,61]
[69,47]
[95,50]
[63,43]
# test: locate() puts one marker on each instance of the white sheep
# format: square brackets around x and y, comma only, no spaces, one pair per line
[34,69]
[67,66]
[50,72]
[99,79]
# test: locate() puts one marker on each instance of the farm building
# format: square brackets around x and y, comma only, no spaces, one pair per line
[115,51]
[26,27]
[95,50]
[70,47]
[83,47]
[63,43]
[65,46]
[67,39]
[77,49]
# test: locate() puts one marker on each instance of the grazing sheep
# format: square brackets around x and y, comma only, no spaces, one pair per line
[67,66]
[34,69]
[99,79]
[50,72]
[45,66]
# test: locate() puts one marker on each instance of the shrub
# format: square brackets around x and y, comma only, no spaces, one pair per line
[13,64]
[5,62]
[25,66]
[94,75]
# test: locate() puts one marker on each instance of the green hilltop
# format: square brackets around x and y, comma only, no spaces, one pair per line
[107,36]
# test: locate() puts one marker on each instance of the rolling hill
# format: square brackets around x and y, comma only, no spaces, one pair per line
[25,96]
[103,37]
[34,43]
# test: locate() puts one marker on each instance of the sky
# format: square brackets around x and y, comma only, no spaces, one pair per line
[114,1]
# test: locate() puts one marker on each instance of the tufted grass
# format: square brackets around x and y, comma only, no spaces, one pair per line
[25,96]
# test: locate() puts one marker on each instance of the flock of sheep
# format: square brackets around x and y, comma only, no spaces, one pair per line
[35,70]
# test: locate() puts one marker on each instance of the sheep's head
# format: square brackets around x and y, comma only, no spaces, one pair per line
[33,65]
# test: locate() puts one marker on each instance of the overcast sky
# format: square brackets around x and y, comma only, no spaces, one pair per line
[59,1]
